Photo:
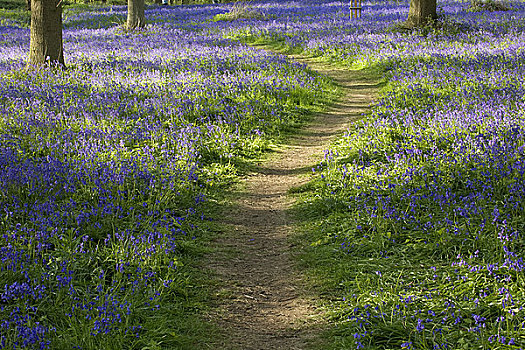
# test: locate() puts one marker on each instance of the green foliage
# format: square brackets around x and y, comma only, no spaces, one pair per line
[15,14]
[12,4]
[422,281]
[122,290]
[241,10]
[487,5]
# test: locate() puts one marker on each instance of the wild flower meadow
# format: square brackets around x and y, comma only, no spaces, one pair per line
[416,211]
[419,206]
[106,167]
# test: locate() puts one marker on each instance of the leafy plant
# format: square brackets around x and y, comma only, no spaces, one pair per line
[241,10]
[487,5]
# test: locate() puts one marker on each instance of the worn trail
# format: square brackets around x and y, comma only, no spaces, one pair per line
[264,303]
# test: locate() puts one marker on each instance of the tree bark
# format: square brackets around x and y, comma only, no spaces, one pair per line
[45,46]
[136,17]
[421,12]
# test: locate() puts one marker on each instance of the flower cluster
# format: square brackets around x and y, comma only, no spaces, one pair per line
[424,195]
[104,167]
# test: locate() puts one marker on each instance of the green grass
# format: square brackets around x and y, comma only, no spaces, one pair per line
[15,13]
[329,270]
[177,322]
[240,10]
[21,4]
[12,4]
[388,284]
[275,44]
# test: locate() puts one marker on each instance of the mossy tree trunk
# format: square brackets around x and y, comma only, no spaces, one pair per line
[45,45]
[136,17]
[421,12]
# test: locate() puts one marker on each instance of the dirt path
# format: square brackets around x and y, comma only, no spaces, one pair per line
[264,304]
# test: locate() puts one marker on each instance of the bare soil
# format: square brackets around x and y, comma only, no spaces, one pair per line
[264,301]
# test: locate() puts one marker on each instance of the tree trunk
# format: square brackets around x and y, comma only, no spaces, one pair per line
[28,5]
[420,12]
[45,45]
[136,17]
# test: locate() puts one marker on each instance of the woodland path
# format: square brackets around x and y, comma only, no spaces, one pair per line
[265,303]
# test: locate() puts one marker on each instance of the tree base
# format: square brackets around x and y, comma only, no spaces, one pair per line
[429,21]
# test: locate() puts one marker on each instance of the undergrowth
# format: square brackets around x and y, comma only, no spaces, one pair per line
[112,171]
[241,10]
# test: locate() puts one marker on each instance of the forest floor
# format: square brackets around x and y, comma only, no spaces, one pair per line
[264,301]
